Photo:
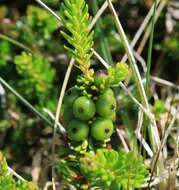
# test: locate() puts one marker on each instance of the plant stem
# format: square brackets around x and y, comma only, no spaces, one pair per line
[137,76]
[148,29]
[145,145]
[130,56]
[124,87]
[57,116]
[25,102]
[103,40]
[149,58]
[16,174]
[141,29]
[18,44]
[98,14]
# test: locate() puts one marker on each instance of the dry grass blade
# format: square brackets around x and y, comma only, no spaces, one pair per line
[141,29]
[123,86]
[137,77]
[164,82]
[163,141]
[119,133]
[10,170]
[144,106]
[60,127]
[98,14]
[25,102]
[130,56]
[139,136]
[48,9]
[58,115]
[147,33]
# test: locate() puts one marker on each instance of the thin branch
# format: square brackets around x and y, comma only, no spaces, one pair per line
[139,135]
[103,41]
[16,43]
[164,82]
[150,115]
[141,29]
[149,56]
[98,14]
[93,22]
[156,79]
[57,116]
[163,140]
[49,10]
[157,180]
[130,55]
[33,109]
[49,184]
[124,87]
[167,132]
[136,74]
[25,102]
[119,133]
[100,58]
[60,126]
[144,144]
[148,29]
[141,60]
[10,170]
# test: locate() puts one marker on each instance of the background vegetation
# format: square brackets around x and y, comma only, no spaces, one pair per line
[33,61]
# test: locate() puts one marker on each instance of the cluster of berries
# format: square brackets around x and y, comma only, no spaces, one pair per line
[83,116]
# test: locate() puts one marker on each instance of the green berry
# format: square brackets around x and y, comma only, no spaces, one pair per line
[109,92]
[71,95]
[84,108]
[67,114]
[112,116]
[77,130]
[102,129]
[106,103]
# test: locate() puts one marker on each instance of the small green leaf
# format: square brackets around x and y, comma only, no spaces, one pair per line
[111,169]
[7,182]
[117,74]
[36,76]
[112,77]
[40,20]
[159,108]
[5,51]
[75,18]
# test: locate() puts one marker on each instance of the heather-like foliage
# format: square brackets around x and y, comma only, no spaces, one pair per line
[8,182]
[36,74]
